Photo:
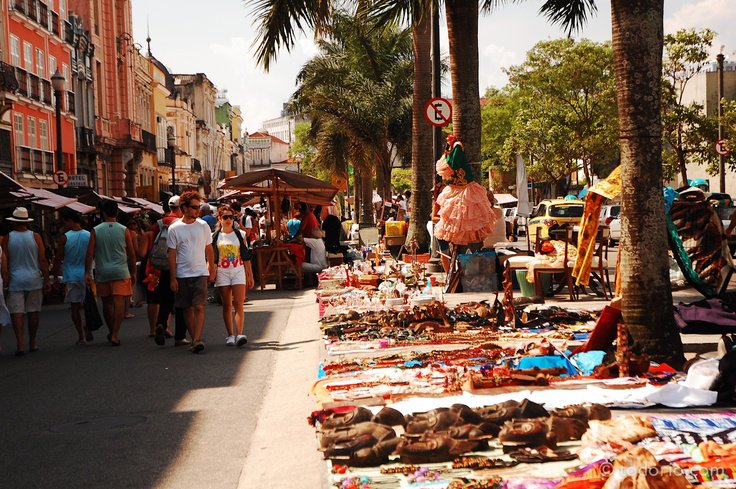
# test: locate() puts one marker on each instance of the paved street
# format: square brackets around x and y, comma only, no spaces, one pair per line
[228,418]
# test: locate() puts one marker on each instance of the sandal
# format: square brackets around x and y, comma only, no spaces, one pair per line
[540,455]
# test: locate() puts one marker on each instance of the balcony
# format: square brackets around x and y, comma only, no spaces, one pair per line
[22,77]
[71,105]
[149,141]
[35,161]
[46,92]
[19,5]
[68,32]
[85,139]
[43,16]
[34,90]
[55,23]
[8,80]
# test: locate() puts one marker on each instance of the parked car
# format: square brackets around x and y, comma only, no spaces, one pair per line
[517,222]
[609,212]
[553,212]
[615,227]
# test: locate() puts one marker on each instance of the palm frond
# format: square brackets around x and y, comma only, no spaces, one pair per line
[488,6]
[280,21]
[571,14]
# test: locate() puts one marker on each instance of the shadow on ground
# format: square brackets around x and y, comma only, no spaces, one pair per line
[167,390]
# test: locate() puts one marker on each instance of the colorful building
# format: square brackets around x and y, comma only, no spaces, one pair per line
[117,134]
[37,37]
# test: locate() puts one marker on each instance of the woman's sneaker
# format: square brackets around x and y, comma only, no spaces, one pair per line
[242,340]
[197,347]
[230,341]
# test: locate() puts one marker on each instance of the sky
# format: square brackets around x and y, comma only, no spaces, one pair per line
[216,37]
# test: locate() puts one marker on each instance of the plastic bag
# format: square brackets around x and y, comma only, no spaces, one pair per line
[92,318]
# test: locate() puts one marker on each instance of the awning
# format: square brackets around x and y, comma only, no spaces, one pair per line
[50,200]
[503,199]
[147,204]
[284,184]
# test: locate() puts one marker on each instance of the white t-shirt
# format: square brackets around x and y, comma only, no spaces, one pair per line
[190,241]
[248,222]
[318,253]
[228,250]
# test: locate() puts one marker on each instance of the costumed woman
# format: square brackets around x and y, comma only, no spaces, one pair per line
[465,215]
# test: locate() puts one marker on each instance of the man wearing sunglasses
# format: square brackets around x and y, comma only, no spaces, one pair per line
[191,264]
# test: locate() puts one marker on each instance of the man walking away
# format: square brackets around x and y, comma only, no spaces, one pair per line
[191,263]
[111,247]
[26,271]
[205,213]
[71,251]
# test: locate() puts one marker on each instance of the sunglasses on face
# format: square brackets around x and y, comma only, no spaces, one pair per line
[229,216]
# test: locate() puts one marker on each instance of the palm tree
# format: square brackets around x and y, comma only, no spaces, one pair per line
[638,36]
[357,92]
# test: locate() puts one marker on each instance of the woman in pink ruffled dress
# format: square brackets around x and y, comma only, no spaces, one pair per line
[465,212]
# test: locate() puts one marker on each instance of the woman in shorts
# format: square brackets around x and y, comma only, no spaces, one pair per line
[233,274]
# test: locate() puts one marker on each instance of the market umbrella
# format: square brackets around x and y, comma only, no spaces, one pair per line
[280,183]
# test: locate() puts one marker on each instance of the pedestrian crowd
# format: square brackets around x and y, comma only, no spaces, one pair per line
[174,263]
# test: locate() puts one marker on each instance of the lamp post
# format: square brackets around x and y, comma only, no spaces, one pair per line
[57,82]
[721,165]
[171,143]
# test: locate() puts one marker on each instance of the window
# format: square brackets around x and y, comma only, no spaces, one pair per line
[32,132]
[43,134]
[40,65]
[52,66]
[62,9]
[65,72]
[18,126]
[566,211]
[14,51]
[28,56]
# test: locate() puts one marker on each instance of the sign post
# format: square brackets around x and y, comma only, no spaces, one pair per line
[721,148]
[60,178]
[438,112]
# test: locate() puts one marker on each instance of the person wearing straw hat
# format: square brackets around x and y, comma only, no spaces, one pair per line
[26,271]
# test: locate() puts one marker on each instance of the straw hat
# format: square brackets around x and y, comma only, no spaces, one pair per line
[20,214]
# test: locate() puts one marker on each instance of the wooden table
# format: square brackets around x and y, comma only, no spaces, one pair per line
[273,262]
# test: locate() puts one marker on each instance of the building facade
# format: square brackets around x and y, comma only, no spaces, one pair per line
[37,39]
[703,90]
[182,128]
[8,90]
[201,93]
[117,134]
[283,127]
[82,80]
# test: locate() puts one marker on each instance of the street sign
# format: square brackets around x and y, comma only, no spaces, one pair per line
[438,112]
[60,178]
[340,182]
[79,181]
[721,148]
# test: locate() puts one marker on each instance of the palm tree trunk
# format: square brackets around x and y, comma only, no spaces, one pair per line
[422,164]
[462,30]
[357,196]
[366,198]
[647,297]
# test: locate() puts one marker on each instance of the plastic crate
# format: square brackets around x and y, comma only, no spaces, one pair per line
[395,229]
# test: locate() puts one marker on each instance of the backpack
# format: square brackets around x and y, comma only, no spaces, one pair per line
[160,251]
[246,253]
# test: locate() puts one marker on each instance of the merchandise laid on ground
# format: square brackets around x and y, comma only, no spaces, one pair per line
[416,393]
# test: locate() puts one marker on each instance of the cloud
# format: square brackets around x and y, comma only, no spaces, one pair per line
[493,59]
[718,15]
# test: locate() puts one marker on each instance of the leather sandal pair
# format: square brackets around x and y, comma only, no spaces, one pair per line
[540,455]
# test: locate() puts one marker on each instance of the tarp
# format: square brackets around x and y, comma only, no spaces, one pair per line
[285,183]
[146,204]
[503,199]
[523,207]
[50,200]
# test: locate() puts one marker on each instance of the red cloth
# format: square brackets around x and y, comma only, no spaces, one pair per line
[604,332]
[299,251]
[308,225]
